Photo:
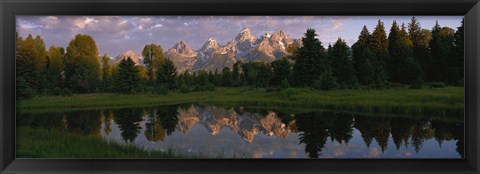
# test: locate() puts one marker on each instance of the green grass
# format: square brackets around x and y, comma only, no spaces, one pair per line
[53,143]
[428,101]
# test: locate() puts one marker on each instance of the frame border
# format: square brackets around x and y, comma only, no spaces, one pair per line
[10,8]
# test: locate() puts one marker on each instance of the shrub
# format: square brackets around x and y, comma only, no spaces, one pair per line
[184,88]
[284,84]
[161,90]
[66,92]
[326,82]
[23,89]
[206,87]
[198,88]
[149,89]
[417,83]
[272,89]
[396,84]
[57,91]
[460,82]
[290,92]
[436,84]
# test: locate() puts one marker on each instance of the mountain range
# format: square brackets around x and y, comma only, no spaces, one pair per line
[246,125]
[213,56]
[245,47]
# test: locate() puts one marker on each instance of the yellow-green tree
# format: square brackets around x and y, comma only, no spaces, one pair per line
[81,63]
[54,66]
[26,72]
[107,80]
[153,59]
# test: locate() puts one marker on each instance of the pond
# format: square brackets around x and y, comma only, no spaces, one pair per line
[242,132]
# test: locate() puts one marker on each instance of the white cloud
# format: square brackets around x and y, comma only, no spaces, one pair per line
[337,24]
[157,26]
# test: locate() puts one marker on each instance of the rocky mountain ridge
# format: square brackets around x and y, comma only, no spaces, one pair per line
[245,47]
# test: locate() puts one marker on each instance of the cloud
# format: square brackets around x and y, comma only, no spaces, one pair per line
[337,24]
[116,34]
[157,26]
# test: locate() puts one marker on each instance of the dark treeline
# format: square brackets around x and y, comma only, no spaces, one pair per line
[409,55]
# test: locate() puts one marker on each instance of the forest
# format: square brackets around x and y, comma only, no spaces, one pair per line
[409,56]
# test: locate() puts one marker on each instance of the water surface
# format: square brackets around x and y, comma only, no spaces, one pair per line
[262,133]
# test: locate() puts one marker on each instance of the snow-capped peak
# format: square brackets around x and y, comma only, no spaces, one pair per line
[182,48]
[245,30]
[267,35]
[210,44]
[245,35]
[212,39]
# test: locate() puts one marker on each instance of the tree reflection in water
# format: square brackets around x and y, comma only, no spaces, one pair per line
[128,121]
[314,129]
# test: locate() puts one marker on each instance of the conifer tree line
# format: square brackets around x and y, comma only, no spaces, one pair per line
[408,56]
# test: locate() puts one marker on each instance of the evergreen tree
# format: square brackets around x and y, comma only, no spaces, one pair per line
[420,39]
[236,79]
[227,77]
[257,73]
[403,67]
[127,79]
[310,60]
[396,55]
[379,43]
[364,59]
[342,65]
[202,78]
[441,49]
[167,74]
[458,56]
[281,70]
[218,78]
[379,47]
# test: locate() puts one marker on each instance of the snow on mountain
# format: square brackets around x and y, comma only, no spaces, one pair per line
[246,125]
[211,56]
[182,56]
[127,54]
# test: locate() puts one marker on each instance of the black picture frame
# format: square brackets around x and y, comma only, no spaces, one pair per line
[10,8]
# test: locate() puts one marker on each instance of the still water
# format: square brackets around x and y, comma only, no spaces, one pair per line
[262,133]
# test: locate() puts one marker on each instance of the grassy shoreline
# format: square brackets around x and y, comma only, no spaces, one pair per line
[53,143]
[427,101]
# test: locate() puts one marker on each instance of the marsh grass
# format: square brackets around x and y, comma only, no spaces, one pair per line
[401,100]
[54,143]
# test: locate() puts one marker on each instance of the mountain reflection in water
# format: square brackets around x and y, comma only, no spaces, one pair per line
[261,133]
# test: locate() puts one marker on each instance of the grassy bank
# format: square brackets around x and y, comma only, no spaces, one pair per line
[41,143]
[427,101]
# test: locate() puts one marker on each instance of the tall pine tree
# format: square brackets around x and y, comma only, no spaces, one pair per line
[379,48]
[167,74]
[441,49]
[458,55]
[310,60]
[420,39]
[403,67]
[364,59]
[342,65]
[127,79]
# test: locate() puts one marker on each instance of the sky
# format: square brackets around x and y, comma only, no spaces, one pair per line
[117,34]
